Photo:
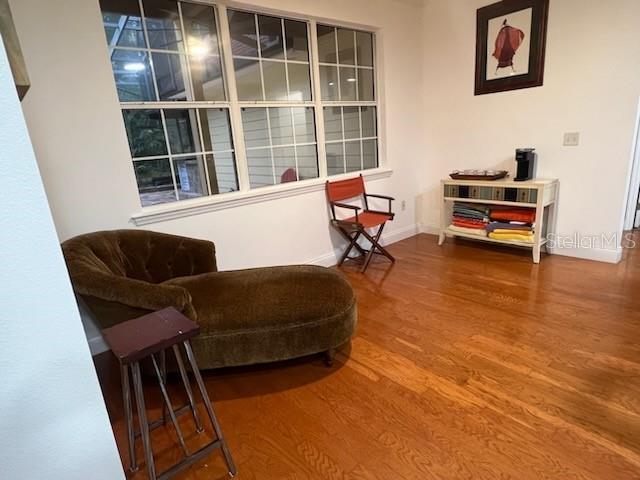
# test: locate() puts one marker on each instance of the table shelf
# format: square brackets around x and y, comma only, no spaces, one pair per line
[543,191]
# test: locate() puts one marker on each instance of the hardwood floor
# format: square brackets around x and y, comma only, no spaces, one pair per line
[469,362]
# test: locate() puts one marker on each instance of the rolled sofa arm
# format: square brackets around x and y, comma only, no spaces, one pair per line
[134,293]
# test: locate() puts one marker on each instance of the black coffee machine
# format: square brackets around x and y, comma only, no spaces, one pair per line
[525,164]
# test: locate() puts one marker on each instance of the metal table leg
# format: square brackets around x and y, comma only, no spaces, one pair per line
[207,403]
[163,371]
[142,417]
[169,407]
[128,415]
[187,387]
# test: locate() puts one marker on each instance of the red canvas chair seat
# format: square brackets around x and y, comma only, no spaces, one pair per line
[370,219]
[364,218]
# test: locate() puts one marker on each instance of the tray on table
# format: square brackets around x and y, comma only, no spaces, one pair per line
[462,176]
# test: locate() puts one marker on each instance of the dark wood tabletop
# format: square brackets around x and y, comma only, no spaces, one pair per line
[136,339]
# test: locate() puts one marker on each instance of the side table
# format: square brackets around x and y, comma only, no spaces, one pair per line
[150,336]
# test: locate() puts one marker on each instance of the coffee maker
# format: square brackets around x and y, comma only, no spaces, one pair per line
[525,164]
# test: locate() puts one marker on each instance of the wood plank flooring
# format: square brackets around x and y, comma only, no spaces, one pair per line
[469,362]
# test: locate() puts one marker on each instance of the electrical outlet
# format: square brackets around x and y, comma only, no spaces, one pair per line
[403,205]
[571,139]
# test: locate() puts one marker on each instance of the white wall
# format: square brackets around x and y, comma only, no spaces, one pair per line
[53,421]
[74,119]
[591,85]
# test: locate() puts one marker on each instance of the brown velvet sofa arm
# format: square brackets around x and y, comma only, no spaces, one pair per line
[134,293]
[202,253]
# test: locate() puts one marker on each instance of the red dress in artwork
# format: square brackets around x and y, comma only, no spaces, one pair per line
[507,42]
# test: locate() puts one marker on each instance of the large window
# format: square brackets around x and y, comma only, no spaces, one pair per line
[191,88]
[348,97]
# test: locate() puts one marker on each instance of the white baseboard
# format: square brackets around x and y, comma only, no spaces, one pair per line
[430,229]
[331,258]
[606,255]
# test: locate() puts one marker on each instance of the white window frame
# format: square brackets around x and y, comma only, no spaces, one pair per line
[245,195]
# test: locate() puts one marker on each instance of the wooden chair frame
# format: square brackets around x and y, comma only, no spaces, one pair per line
[352,230]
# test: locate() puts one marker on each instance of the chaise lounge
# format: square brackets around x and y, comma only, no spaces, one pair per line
[246,316]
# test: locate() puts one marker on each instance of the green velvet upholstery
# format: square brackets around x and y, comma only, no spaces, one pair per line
[246,316]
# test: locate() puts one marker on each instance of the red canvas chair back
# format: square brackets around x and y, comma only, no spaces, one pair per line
[344,189]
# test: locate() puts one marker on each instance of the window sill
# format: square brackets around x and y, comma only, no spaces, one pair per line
[187,208]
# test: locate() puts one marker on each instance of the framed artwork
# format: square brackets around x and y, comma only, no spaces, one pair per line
[510,45]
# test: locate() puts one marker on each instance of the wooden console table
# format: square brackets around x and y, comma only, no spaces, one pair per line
[541,194]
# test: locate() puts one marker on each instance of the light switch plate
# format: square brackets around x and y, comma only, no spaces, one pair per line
[571,139]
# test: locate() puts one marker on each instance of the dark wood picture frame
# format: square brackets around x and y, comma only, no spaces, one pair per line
[535,75]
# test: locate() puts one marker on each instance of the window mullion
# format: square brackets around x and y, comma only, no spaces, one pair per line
[148,52]
[237,130]
[271,153]
[171,166]
[264,91]
[204,155]
[317,101]
[187,59]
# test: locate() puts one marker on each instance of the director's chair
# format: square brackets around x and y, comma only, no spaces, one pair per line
[353,227]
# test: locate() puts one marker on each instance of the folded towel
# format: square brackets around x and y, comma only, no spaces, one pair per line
[471,214]
[526,215]
[496,225]
[475,221]
[509,231]
[512,236]
[471,231]
[468,225]
[472,206]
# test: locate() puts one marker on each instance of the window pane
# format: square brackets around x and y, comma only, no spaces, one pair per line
[305,125]
[271,44]
[145,132]
[170,71]
[281,126]
[284,161]
[346,47]
[223,176]
[307,162]
[365,48]
[368,122]
[256,131]
[182,129]
[299,82]
[122,23]
[200,28]
[348,83]
[163,24]
[335,158]
[154,181]
[206,73]
[327,44]
[365,85]
[370,153]
[275,80]
[329,82]
[297,43]
[351,122]
[260,167]
[132,74]
[352,150]
[333,123]
[216,129]
[190,177]
[248,80]
[244,41]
